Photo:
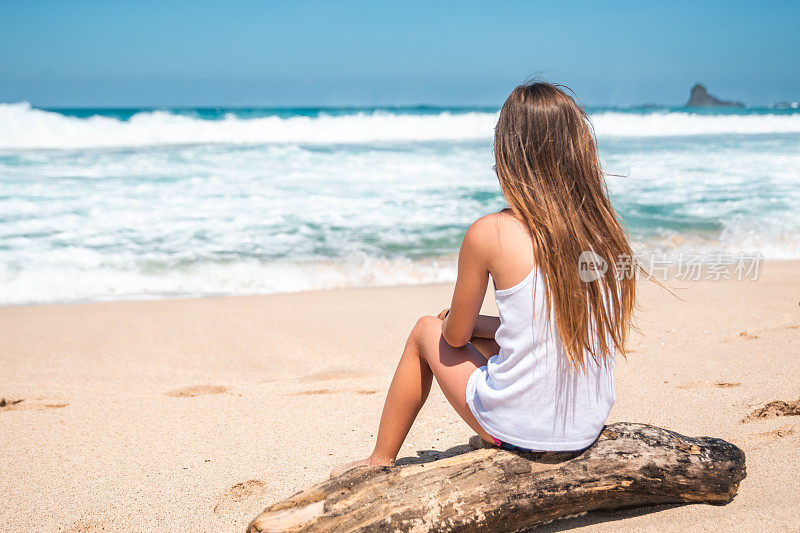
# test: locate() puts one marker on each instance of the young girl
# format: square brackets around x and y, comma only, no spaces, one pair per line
[548,382]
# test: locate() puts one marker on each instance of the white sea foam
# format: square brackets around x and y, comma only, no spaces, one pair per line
[43,283]
[86,276]
[244,206]
[679,124]
[24,127]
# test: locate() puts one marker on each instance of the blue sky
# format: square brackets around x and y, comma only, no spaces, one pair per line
[152,53]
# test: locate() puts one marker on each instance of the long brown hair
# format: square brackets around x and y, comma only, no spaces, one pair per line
[546,161]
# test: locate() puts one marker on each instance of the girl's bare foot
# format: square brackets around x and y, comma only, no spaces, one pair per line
[369,461]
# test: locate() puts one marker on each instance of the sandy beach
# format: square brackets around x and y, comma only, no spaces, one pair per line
[196,414]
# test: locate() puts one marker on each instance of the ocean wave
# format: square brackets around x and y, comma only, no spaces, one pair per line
[25,127]
[81,277]
[48,284]
[22,126]
[680,124]
[253,203]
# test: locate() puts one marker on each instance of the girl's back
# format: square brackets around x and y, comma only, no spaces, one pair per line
[528,395]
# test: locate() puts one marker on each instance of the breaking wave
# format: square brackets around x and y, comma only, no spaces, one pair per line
[25,127]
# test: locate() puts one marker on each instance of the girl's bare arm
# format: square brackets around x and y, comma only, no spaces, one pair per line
[486,326]
[464,320]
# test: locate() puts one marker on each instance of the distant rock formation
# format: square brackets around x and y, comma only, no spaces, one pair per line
[699,97]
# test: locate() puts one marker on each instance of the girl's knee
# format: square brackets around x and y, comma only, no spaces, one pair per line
[427,325]
[426,329]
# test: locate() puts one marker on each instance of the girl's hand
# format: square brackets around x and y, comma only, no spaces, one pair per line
[443,313]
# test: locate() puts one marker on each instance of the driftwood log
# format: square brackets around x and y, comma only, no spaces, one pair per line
[496,490]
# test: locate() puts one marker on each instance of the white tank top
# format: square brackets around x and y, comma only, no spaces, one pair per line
[527,395]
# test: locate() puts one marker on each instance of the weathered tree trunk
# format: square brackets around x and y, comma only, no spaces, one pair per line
[496,490]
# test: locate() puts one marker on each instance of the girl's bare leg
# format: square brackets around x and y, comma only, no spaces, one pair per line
[426,356]
[487,347]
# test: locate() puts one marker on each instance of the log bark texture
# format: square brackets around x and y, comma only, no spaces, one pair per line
[496,490]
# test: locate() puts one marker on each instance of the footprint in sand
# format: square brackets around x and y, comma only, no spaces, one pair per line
[329,391]
[20,404]
[775,409]
[715,384]
[778,433]
[197,390]
[746,335]
[328,375]
[240,497]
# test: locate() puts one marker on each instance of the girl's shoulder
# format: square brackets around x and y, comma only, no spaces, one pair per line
[502,243]
[497,228]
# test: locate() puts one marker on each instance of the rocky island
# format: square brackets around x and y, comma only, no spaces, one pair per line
[699,97]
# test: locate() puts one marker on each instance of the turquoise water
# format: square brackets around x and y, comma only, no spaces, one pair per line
[132,203]
[218,113]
